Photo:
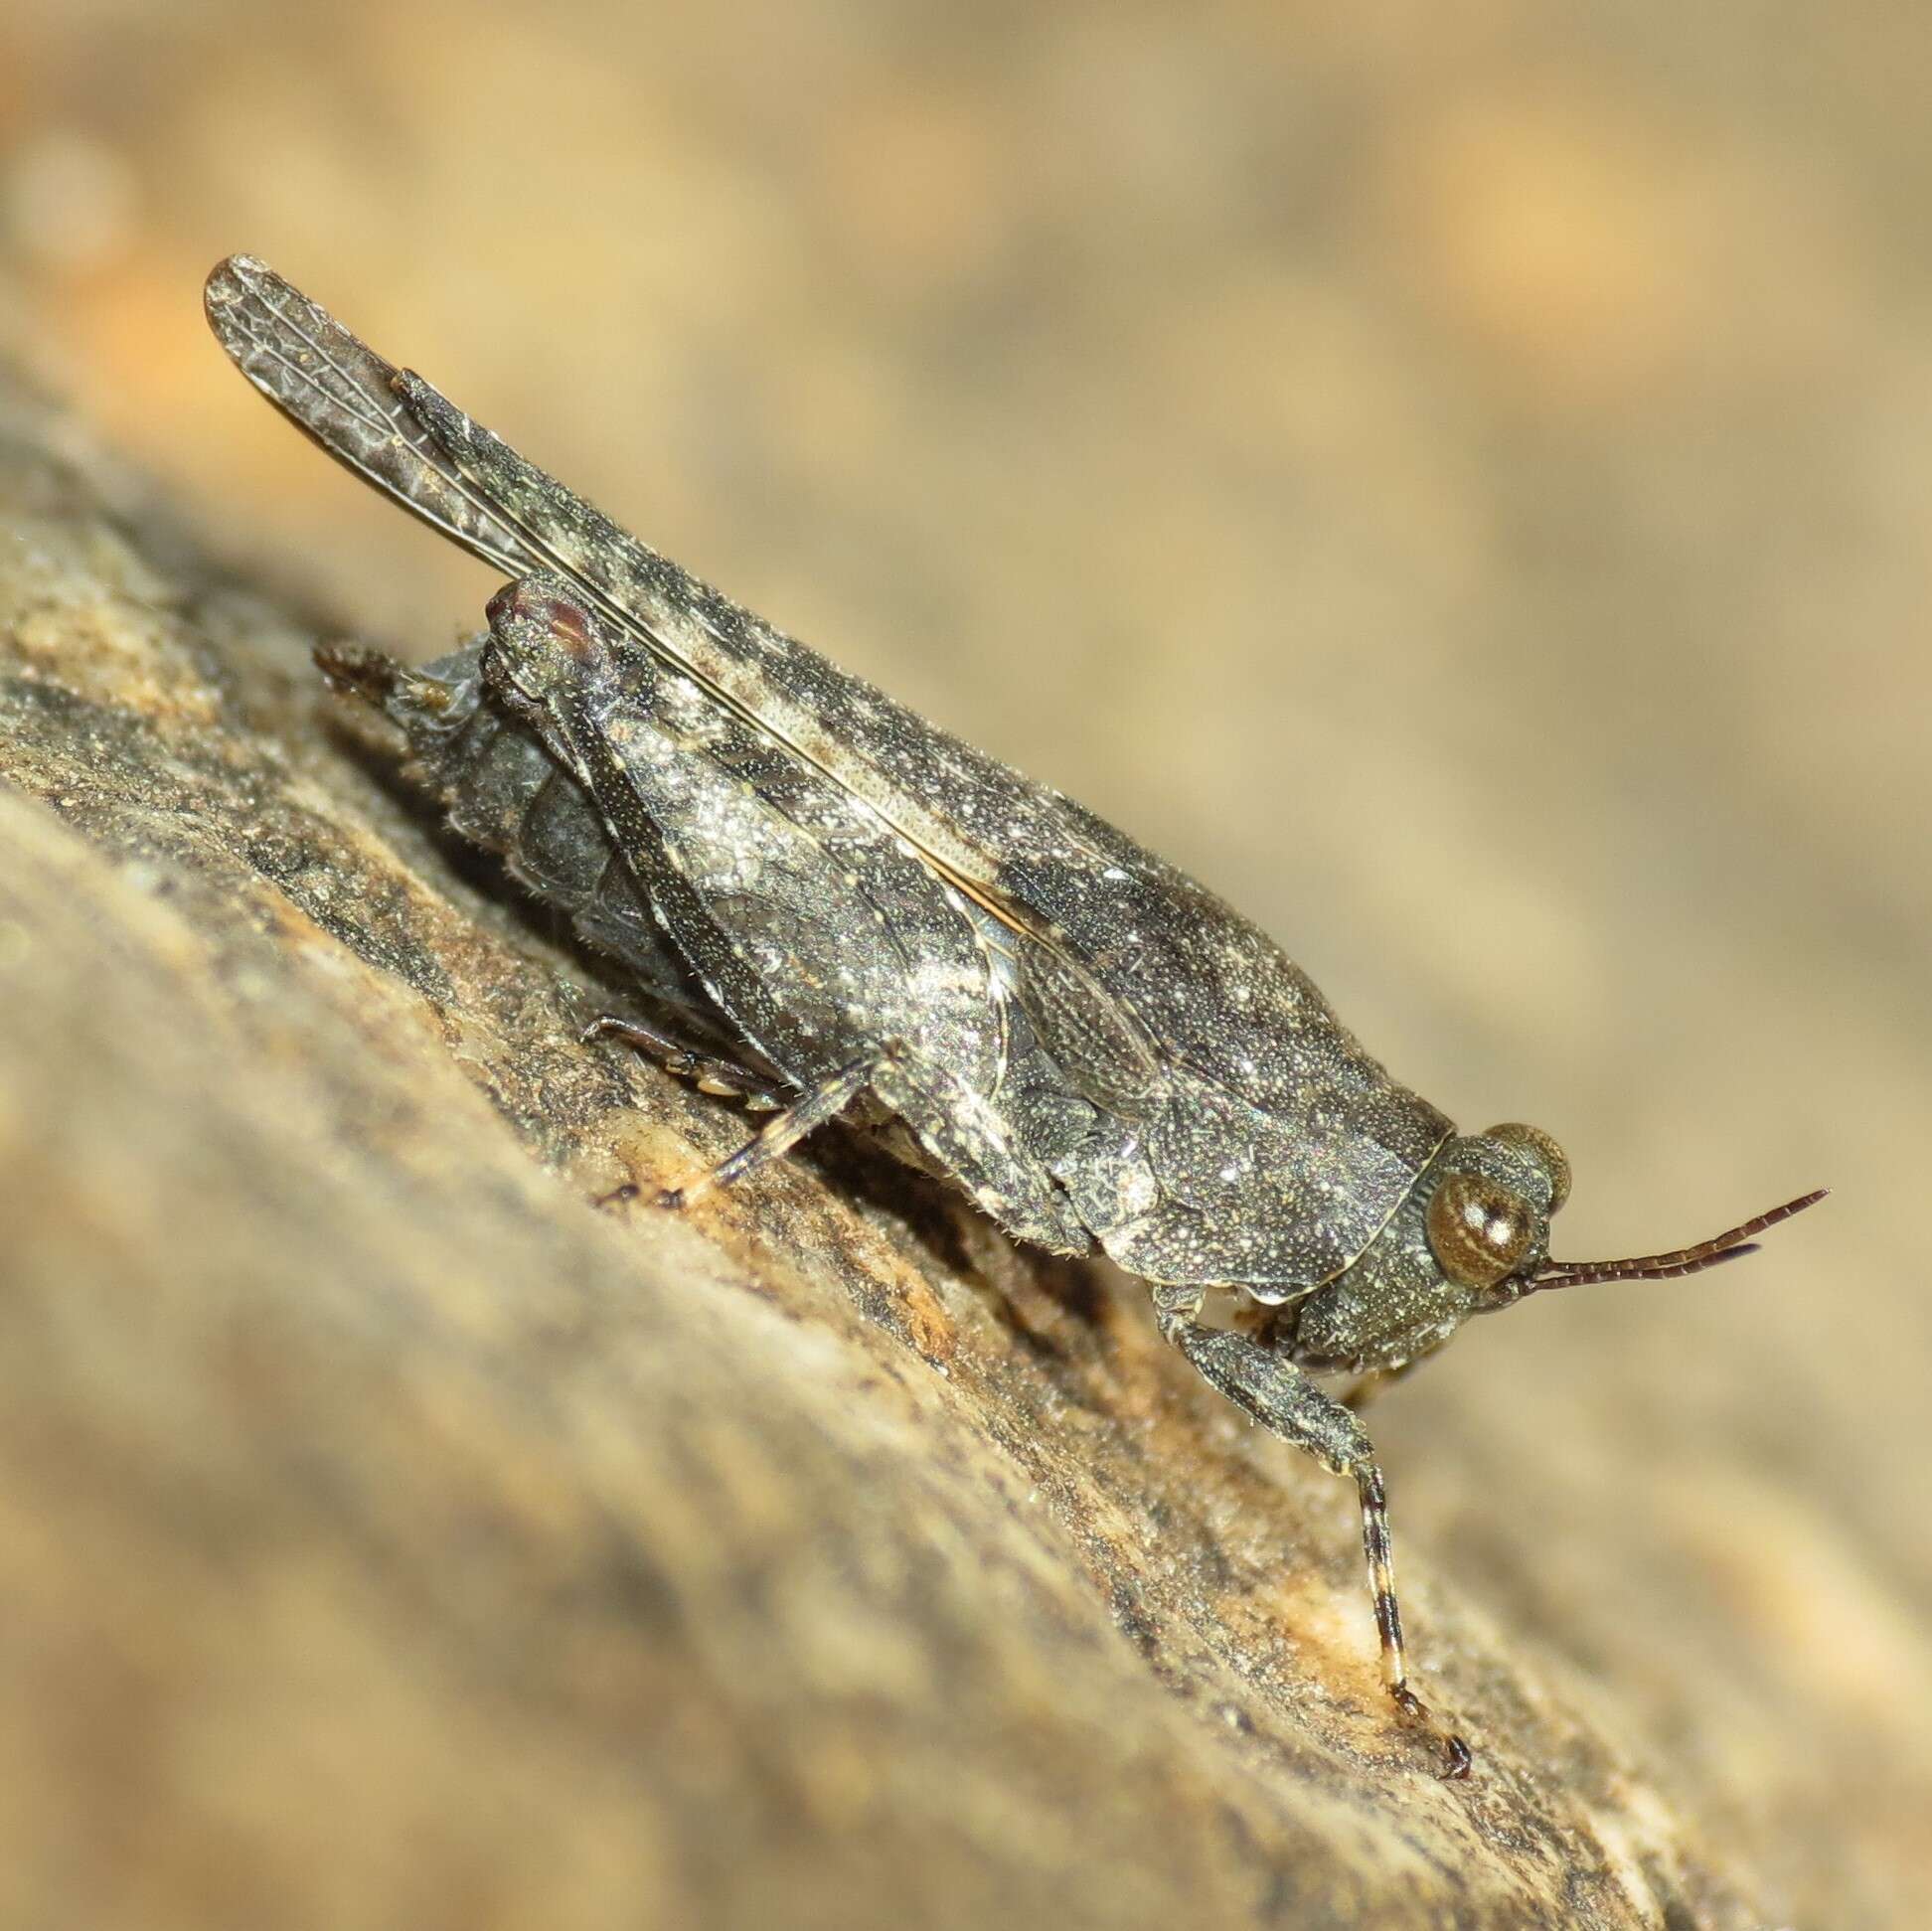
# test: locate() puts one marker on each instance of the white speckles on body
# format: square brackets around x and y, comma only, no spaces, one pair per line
[1259,1074]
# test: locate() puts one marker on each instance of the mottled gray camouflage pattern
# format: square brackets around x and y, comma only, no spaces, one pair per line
[871,914]
[1096,1046]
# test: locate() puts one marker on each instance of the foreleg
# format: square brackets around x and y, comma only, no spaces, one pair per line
[1283,1399]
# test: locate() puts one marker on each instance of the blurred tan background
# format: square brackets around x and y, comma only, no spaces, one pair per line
[1455,479]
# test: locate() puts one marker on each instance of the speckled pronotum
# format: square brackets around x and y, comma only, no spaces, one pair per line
[848,912]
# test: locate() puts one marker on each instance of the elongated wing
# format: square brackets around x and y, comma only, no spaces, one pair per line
[1134,976]
[341,392]
[398,433]
[960,810]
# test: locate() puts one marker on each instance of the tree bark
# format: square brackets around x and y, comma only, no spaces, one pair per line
[391,1537]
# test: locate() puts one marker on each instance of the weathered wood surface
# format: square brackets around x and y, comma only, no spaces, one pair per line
[388,1536]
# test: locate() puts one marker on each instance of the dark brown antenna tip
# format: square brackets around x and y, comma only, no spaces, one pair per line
[1732,1244]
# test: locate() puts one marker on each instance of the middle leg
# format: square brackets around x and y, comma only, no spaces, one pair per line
[709,1072]
[783,1130]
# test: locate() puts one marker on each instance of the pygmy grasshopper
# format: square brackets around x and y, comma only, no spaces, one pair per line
[855,913]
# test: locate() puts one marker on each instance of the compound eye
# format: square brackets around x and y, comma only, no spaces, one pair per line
[1479,1231]
[1546,1153]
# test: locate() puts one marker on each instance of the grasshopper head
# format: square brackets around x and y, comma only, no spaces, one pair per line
[1477,1217]
[1473,1237]
[1488,1218]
